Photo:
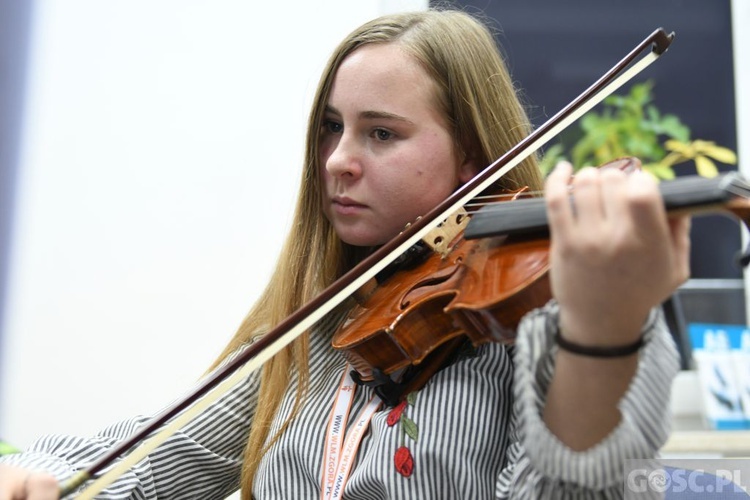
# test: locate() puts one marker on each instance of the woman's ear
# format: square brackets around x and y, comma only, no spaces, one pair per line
[467,170]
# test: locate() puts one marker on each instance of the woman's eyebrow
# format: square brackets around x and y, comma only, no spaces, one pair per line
[372,115]
[384,115]
[330,109]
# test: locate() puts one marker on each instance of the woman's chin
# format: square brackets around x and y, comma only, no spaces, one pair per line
[362,239]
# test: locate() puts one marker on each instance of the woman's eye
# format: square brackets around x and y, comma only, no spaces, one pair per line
[383,135]
[332,126]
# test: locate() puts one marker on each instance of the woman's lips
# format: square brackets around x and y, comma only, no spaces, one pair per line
[346,206]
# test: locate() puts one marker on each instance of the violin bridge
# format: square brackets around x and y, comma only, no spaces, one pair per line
[443,235]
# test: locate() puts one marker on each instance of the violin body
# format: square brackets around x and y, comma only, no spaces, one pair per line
[479,291]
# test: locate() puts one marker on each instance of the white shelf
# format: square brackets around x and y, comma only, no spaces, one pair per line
[724,443]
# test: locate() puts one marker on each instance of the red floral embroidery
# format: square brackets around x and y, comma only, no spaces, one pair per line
[403,458]
[396,412]
[404,461]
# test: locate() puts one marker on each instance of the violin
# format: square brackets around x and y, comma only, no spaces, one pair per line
[493,271]
[451,289]
[358,281]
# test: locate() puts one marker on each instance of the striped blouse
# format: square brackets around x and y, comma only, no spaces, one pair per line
[473,431]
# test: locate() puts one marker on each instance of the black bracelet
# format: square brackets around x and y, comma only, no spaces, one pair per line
[599,352]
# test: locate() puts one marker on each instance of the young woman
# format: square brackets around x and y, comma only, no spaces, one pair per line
[409,108]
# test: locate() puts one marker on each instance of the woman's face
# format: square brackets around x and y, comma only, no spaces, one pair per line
[387,155]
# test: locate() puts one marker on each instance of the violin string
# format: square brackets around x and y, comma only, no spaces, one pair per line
[735,187]
[509,196]
[500,202]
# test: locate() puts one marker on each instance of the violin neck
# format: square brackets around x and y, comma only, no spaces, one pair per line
[696,194]
[690,194]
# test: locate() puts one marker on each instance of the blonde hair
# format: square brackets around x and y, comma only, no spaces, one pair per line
[475,94]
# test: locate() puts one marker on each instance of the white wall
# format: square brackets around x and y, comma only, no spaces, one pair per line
[162,146]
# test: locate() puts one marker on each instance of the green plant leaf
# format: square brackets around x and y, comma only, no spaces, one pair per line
[661,172]
[631,125]
[720,153]
[652,114]
[552,156]
[590,122]
[615,100]
[584,151]
[640,93]
[683,148]
[705,167]
[672,126]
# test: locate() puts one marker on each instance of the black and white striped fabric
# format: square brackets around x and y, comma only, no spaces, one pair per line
[464,420]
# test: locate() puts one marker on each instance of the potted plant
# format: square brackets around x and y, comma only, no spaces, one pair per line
[630,125]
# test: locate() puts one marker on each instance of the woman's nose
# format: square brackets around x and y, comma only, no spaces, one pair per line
[345,158]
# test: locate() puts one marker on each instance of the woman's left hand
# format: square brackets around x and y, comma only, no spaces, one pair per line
[615,253]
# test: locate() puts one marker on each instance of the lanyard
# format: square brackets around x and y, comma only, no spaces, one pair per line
[339,452]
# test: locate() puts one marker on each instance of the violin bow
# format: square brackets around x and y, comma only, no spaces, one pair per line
[169,421]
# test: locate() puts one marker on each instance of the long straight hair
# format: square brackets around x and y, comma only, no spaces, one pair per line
[475,94]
